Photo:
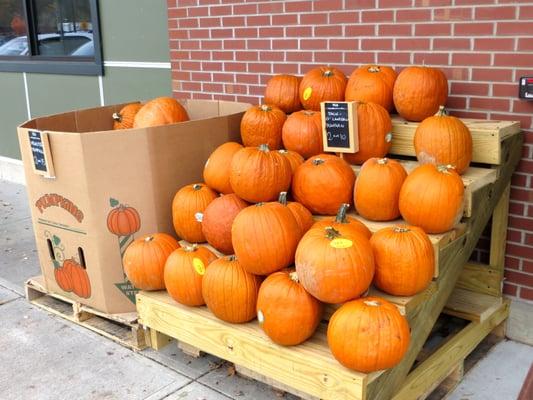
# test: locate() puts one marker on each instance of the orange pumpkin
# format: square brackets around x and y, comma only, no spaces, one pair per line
[229,291]
[184,270]
[265,237]
[377,189]
[125,117]
[160,111]
[374,131]
[343,223]
[123,221]
[432,198]
[282,92]
[62,276]
[372,83]
[302,133]
[405,260]
[218,219]
[218,167]
[285,311]
[144,260]
[81,286]
[293,157]
[322,84]
[323,183]
[334,267]
[419,91]
[443,139]
[262,125]
[188,209]
[368,334]
[258,174]
[302,215]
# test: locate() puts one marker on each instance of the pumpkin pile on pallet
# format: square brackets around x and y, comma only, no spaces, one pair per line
[274,213]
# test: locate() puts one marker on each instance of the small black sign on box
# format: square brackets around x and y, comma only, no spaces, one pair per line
[339,126]
[40,150]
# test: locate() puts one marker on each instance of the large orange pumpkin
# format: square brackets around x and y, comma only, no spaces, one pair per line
[368,334]
[302,215]
[229,291]
[405,260]
[218,219]
[144,260]
[265,237]
[322,84]
[302,133]
[160,111]
[123,220]
[282,92]
[374,131]
[286,312]
[184,270]
[218,167]
[432,197]
[293,157]
[188,209]
[377,189]
[419,91]
[334,267]
[262,125]
[372,83]
[443,139]
[125,117]
[323,183]
[344,223]
[258,174]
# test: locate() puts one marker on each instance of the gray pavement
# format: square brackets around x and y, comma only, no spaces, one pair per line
[45,357]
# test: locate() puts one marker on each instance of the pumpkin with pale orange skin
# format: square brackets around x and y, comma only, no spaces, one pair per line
[217,168]
[322,84]
[343,223]
[160,111]
[372,83]
[282,92]
[302,133]
[262,124]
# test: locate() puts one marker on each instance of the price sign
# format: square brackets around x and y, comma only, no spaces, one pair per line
[40,151]
[339,126]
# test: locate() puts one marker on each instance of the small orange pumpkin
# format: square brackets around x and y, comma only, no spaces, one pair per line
[123,221]
[81,286]
[262,124]
[372,83]
[302,215]
[160,111]
[125,117]
[218,167]
[294,158]
[282,92]
[302,133]
[343,223]
[322,84]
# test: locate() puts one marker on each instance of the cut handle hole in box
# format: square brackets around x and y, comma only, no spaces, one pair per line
[82,257]
[50,249]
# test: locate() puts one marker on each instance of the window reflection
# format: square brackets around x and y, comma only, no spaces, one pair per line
[13,31]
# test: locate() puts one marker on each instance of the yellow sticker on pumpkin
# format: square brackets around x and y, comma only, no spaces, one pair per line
[198,266]
[307,93]
[341,243]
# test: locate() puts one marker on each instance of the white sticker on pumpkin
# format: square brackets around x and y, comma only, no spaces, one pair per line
[388,137]
[260,316]
[199,217]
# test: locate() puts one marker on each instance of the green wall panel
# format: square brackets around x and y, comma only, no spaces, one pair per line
[130,84]
[134,30]
[12,112]
[52,94]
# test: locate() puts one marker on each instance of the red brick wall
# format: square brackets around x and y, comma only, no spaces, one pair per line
[228,50]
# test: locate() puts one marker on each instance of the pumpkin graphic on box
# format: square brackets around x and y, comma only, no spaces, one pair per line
[123,220]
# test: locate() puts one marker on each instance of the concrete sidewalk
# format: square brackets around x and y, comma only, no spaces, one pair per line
[46,357]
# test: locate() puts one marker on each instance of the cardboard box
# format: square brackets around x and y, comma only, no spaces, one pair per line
[78,171]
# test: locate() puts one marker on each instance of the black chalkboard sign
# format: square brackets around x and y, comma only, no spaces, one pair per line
[40,151]
[338,127]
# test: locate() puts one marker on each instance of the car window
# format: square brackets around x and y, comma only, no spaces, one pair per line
[15,47]
[57,46]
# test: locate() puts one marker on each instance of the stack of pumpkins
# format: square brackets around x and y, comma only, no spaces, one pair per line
[243,211]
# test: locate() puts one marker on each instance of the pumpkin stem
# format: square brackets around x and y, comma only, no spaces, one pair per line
[309,112]
[265,107]
[191,247]
[197,186]
[445,169]
[283,151]
[372,303]
[374,68]
[148,238]
[294,276]
[318,161]
[442,111]
[332,233]
[327,73]
[341,214]
[401,229]
[264,147]
[233,257]
[382,161]
[282,198]
[117,117]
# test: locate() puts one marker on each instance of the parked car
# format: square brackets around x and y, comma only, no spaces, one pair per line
[50,44]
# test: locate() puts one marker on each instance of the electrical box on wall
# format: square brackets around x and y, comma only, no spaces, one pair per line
[526,87]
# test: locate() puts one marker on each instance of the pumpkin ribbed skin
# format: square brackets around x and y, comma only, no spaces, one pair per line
[258,174]
[334,267]
[302,215]
[184,271]
[285,311]
[218,219]
[405,260]
[443,139]
[343,223]
[432,198]
[229,291]
[322,84]
[372,83]
[262,124]
[302,133]
[377,189]
[144,260]
[125,117]
[374,131]
[293,157]
[265,237]
[217,168]
[123,221]
[282,92]
[160,111]
[419,91]
[368,334]
[187,211]
[323,183]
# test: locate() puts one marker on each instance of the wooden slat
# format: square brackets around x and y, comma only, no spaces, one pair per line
[480,278]
[498,237]
[471,306]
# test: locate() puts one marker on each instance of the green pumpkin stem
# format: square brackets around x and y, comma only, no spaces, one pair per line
[189,248]
[400,229]
[264,147]
[372,303]
[341,214]
[382,161]
[442,112]
[233,257]
[117,117]
[328,73]
[197,186]
[265,107]
[332,233]
[282,198]
[374,68]
[318,161]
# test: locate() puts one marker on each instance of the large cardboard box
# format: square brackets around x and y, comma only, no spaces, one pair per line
[78,171]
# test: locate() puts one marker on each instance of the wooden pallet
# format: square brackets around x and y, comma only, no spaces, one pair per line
[121,328]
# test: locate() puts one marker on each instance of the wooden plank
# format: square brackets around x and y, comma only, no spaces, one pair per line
[449,383]
[498,237]
[309,367]
[436,367]
[480,278]
[471,306]
[159,340]
[486,138]
[191,351]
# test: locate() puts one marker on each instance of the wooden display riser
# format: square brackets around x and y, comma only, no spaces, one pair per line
[121,328]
